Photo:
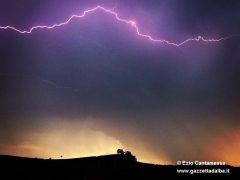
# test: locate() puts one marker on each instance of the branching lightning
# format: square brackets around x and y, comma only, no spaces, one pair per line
[111,12]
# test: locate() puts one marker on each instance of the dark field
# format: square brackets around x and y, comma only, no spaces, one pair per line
[108,167]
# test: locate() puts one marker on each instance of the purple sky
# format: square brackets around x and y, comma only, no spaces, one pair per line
[94,85]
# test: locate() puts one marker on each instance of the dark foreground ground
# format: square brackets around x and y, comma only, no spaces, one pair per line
[111,167]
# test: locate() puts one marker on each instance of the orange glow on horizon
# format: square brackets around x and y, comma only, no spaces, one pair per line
[227,148]
[65,140]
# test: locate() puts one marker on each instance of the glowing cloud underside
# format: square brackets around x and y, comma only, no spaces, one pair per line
[131,23]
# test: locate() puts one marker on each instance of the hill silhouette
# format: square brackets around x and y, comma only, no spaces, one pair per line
[108,167]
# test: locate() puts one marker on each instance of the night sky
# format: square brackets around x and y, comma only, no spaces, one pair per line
[93,86]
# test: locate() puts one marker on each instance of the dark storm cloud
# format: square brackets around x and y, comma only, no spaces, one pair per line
[101,69]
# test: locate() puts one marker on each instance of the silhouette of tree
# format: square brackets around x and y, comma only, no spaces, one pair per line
[120,151]
[129,156]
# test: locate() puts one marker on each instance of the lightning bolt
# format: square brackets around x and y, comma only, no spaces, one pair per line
[131,23]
